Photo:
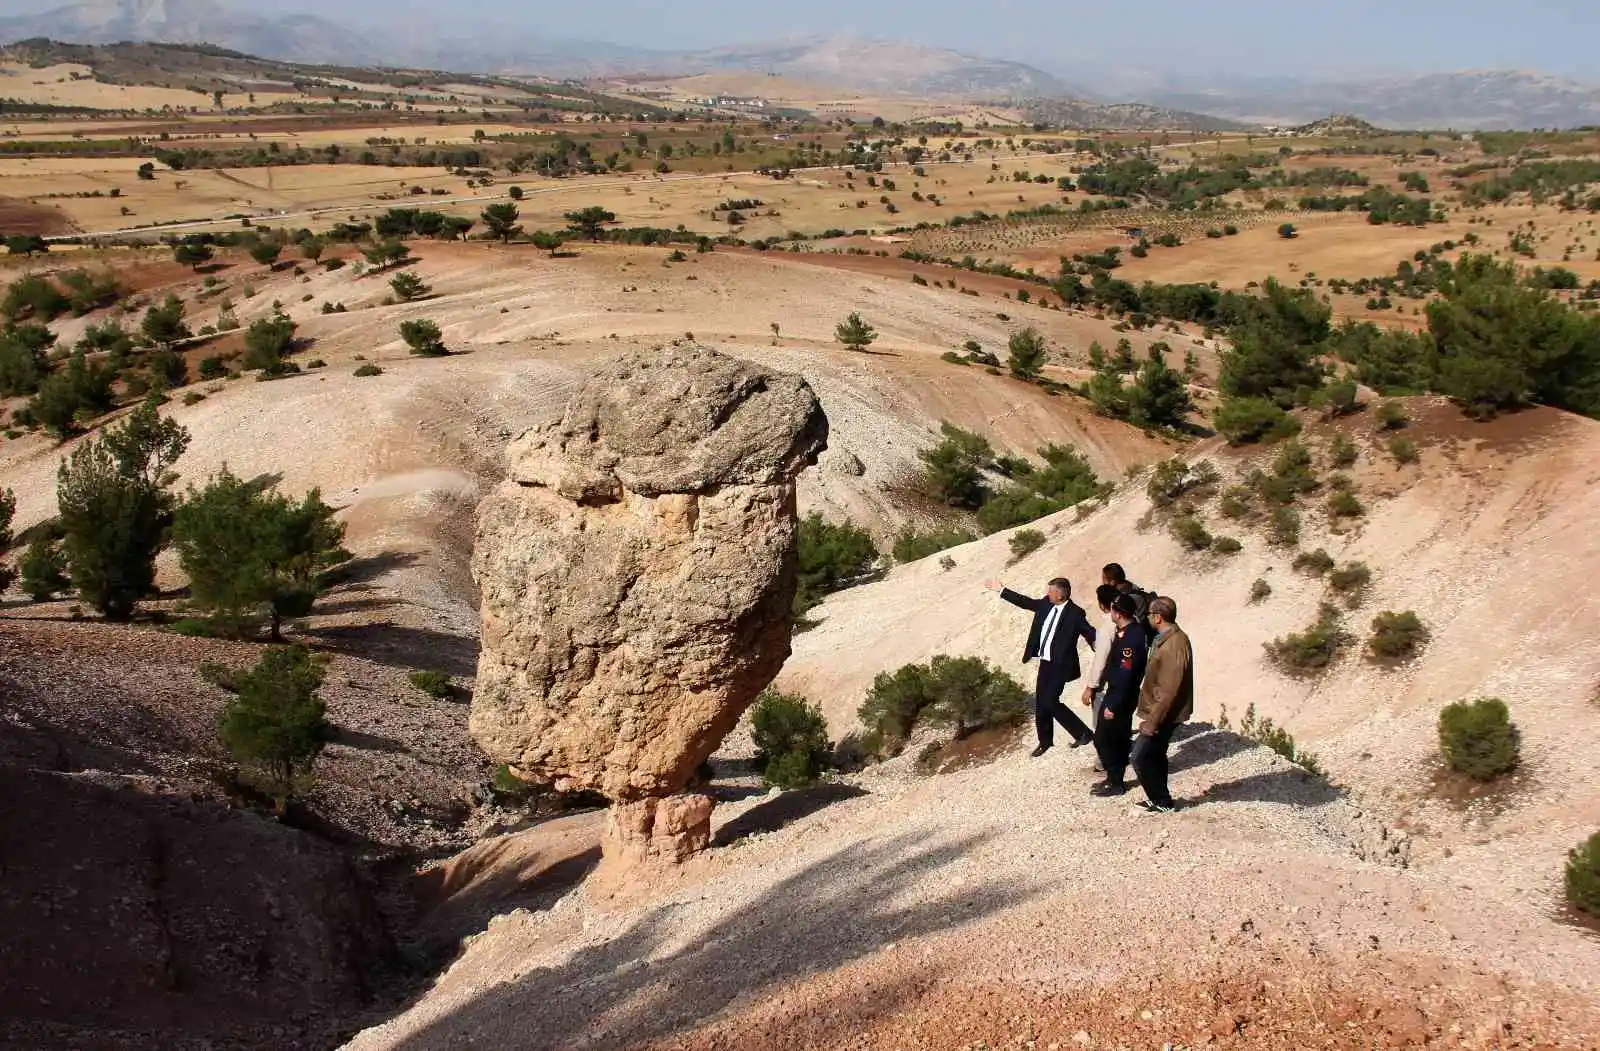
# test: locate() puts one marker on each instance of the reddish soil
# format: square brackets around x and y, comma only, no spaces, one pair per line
[25,217]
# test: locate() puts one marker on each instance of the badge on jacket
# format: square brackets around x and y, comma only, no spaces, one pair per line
[1127,658]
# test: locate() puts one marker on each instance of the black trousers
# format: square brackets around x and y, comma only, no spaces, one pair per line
[1048,709]
[1150,763]
[1113,741]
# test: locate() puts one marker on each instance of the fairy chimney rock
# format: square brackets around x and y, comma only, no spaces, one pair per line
[637,568]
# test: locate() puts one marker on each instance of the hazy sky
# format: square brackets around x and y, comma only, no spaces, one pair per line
[1237,36]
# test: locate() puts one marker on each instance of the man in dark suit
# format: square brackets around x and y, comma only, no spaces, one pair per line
[1058,624]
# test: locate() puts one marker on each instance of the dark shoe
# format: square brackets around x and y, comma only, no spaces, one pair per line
[1158,808]
[1041,750]
[1079,742]
[1108,788]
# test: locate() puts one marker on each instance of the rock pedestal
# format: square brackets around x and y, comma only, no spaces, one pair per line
[637,569]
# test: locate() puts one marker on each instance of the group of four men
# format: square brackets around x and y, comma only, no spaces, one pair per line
[1143,672]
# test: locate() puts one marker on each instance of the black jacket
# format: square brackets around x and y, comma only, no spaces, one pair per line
[1125,670]
[1072,626]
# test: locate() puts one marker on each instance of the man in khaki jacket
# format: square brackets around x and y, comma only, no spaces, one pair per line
[1166,700]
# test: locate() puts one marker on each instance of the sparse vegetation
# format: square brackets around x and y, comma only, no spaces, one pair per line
[831,556]
[422,337]
[434,683]
[963,691]
[1403,449]
[911,546]
[1391,415]
[1260,590]
[1477,738]
[369,369]
[1317,563]
[855,333]
[1028,354]
[1312,650]
[1265,732]
[1025,542]
[1582,876]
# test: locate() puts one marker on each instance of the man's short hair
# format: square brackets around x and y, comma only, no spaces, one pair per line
[1125,605]
[1064,584]
[1167,609]
[1115,573]
[1106,596]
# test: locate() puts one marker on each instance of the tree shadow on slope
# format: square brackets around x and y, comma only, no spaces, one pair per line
[1204,745]
[399,646]
[1287,787]
[631,988]
[784,809]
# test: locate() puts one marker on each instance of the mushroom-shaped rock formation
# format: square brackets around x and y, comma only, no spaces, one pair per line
[637,567]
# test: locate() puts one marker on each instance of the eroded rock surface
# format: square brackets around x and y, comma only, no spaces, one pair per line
[637,569]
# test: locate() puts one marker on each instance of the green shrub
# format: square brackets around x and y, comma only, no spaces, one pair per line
[368,369]
[1173,479]
[1225,545]
[193,397]
[43,568]
[1583,876]
[1235,502]
[1350,579]
[1477,738]
[831,557]
[1244,421]
[423,337]
[953,357]
[1264,732]
[1404,450]
[1342,452]
[509,787]
[212,368]
[192,627]
[1312,650]
[1284,529]
[954,468]
[1025,542]
[911,546]
[1391,416]
[1293,468]
[433,683]
[1397,636]
[1343,504]
[963,691]
[1260,590]
[791,739]
[1316,562]
[1191,532]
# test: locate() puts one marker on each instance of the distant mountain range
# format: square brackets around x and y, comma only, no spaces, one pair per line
[1464,100]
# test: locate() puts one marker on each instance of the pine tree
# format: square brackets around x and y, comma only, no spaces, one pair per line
[855,333]
[277,723]
[1028,354]
[408,286]
[164,325]
[501,221]
[1159,397]
[43,567]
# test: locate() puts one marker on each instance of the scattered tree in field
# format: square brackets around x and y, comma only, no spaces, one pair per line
[590,221]
[954,468]
[26,244]
[1477,738]
[23,360]
[855,333]
[501,221]
[66,397]
[408,286]
[388,253]
[248,551]
[515,193]
[312,248]
[1158,396]
[147,171]
[266,252]
[266,342]
[194,254]
[423,337]
[164,325]
[276,723]
[1028,354]
[1288,232]
[546,241]
[114,505]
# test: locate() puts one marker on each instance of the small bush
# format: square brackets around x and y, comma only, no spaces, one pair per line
[1025,542]
[791,739]
[1343,504]
[1397,636]
[1265,732]
[1392,416]
[1342,452]
[433,683]
[1225,545]
[964,691]
[1317,562]
[1477,738]
[831,557]
[1235,502]
[212,368]
[1294,469]
[1191,533]
[316,363]
[1404,450]
[1583,876]
[368,369]
[1312,650]
[1350,579]
[1284,529]
[1260,590]
[911,546]
[193,397]
[1247,420]
[192,627]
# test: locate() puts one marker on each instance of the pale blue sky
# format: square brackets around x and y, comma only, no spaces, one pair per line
[1242,37]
